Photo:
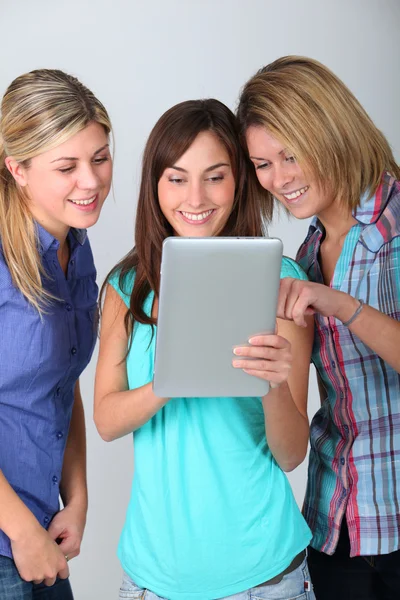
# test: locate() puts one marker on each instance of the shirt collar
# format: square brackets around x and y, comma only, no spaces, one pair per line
[47,240]
[370,209]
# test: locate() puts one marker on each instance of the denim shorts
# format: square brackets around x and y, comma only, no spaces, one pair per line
[293,586]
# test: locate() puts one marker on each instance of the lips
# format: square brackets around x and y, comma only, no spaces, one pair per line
[294,196]
[197,218]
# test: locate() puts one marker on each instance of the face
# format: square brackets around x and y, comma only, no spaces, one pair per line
[196,194]
[68,185]
[279,173]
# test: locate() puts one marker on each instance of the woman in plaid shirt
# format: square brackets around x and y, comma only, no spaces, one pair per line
[318,153]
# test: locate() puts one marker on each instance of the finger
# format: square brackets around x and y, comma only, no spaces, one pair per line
[36,581]
[284,291]
[272,378]
[64,573]
[263,365]
[273,340]
[49,581]
[262,352]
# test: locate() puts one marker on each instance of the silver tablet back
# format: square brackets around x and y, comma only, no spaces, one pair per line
[215,293]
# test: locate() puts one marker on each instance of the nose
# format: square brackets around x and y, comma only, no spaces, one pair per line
[87,178]
[283,175]
[196,196]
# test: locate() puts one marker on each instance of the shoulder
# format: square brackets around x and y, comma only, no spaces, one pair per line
[290,268]
[122,284]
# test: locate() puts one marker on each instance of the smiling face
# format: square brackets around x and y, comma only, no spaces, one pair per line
[196,194]
[67,186]
[280,174]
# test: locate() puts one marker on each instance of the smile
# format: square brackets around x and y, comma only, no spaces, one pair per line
[296,194]
[83,202]
[197,218]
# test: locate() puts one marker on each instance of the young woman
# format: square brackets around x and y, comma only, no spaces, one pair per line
[55,174]
[211,512]
[318,153]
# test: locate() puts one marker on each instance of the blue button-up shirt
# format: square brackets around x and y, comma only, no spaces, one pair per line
[41,359]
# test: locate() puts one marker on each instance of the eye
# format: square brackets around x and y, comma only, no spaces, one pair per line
[98,161]
[262,166]
[215,178]
[176,180]
[290,159]
[67,169]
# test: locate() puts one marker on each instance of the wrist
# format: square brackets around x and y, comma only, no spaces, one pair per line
[346,307]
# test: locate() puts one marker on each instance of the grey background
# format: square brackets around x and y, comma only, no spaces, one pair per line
[142,57]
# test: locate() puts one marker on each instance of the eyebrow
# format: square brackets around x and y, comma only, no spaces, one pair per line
[283,151]
[216,166]
[75,158]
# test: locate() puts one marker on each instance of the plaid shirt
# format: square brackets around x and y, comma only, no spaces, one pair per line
[354,467]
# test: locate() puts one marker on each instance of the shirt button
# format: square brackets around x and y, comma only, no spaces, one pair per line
[333,364]
[342,394]
[72,262]
[46,520]
[54,479]
[59,435]
[342,461]
[68,307]
[74,350]
[346,427]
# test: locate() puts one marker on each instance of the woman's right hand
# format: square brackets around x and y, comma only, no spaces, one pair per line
[38,558]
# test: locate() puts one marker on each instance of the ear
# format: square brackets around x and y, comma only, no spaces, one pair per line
[16,170]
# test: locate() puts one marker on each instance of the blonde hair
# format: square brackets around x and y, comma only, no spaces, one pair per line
[40,110]
[312,113]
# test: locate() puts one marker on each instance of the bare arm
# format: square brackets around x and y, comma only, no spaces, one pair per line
[117,410]
[285,362]
[376,330]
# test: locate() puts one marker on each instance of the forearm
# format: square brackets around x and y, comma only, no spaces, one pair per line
[73,487]
[375,329]
[286,428]
[120,413]
[15,517]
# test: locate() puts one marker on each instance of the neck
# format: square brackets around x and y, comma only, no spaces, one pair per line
[337,220]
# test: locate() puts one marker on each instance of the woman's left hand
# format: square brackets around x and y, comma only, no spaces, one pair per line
[267,357]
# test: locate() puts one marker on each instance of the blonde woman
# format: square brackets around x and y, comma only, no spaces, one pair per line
[316,151]
[55,174]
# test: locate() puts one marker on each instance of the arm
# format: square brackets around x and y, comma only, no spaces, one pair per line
[117,410]
[284,360]
[68,525]
[376,330]
[37,557]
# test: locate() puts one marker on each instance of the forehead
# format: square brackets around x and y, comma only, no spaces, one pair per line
[84,143]
[261,142]
[206,149]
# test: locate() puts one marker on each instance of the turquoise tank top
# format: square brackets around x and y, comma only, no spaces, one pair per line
[211,513]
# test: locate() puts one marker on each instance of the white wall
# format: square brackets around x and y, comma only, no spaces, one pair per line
[142,57]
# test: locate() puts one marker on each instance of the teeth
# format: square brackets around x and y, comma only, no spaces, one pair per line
[296,194]
[199,217]
[84,202]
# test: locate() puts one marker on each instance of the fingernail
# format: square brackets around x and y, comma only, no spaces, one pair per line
[236,363]
[237,351]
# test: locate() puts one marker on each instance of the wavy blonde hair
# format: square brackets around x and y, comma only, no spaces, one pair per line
[40,110]
[312,113]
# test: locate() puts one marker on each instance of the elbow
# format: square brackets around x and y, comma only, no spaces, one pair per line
[291,463]
[103,429]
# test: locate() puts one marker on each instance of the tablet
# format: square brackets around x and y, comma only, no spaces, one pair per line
[215,293]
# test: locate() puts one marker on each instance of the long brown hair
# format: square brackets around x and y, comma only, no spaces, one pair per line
[170,138]
[312,113]
[39,111]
